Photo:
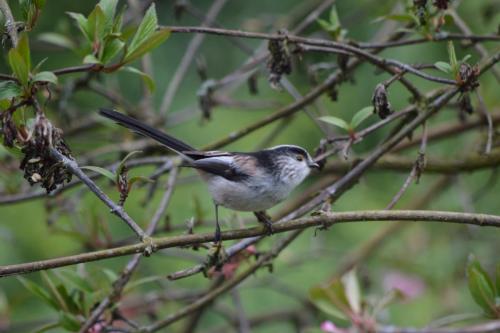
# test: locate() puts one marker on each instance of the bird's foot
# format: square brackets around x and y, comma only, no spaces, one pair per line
[216,258]
[265,219]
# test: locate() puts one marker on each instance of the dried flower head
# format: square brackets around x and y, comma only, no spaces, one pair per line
[38,164]
[380,101]
[205,98]
[468,77]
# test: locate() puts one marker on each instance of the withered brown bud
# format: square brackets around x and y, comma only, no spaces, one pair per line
[468,77]
[38,164]
[320,151]
[252,84]
[380,101]
[441,4]
[179,9]
[342,60]
[9,130]
[420,10]
[205,98]
[333,93]
[123,185]
[465,104]
[279,62]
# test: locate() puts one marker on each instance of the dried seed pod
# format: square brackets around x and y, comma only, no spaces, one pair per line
[465,104]
[280,61]
[441,4]
[9,130]
[380,101]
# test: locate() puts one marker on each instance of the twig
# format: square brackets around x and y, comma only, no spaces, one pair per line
[487,115]
[492,326]
[115,209]
[10,23]
[417,169]
[188,57]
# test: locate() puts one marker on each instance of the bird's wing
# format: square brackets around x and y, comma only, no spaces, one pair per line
[223,166]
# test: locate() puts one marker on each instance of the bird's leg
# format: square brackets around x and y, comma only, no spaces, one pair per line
[262,217]
[218,239]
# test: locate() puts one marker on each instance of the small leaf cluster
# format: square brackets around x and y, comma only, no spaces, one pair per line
[356,120]
[107,39]
[333,26]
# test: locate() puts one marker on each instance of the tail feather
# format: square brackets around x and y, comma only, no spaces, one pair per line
[146,130]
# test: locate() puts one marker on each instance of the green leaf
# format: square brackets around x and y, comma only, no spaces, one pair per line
[23,47]
[464,59]
[335,121]
[120,167]
[45,77]
[82,23]
[108,8]
[405,18]
[334,18]
[136,179]
[146,28]
[56,39]
[110,275]
[72,278]
[148,80]
[152,42]
[443,66]
[324,24]
[112,47]
[481,287]
[39,291]
[321,300]
[18,66]
[106,173]
[9,90]
[39,3]
[497,280]
[453,57]
[69,321]
[96,24]
[352,290]
[360,116]
[91,59]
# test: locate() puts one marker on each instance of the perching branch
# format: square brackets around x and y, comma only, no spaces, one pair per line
[326,219]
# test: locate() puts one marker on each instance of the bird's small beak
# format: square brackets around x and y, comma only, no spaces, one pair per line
[313,165]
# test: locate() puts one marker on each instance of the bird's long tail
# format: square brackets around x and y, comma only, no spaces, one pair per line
[146,130]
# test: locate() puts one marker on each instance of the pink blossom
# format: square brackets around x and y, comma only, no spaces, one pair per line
[329,327]
[409,285]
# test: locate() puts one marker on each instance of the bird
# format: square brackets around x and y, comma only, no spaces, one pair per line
[240,181]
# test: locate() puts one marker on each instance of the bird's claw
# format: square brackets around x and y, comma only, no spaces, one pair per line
[150,247]
[263,218]
[216,257]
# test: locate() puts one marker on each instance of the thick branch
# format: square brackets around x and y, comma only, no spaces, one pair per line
[326,219]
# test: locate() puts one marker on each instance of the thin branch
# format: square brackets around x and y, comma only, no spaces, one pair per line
[469,163]
[129,269]
[10,23]
[326,219]
[115,209]
[188,57]
[487,115]
[417,169]
[492,326]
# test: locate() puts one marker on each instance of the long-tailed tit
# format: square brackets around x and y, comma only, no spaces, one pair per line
[253,181]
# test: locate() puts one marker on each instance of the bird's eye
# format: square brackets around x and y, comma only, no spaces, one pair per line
[299,158]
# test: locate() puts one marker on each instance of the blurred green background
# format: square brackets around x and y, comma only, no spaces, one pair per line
[436,254]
